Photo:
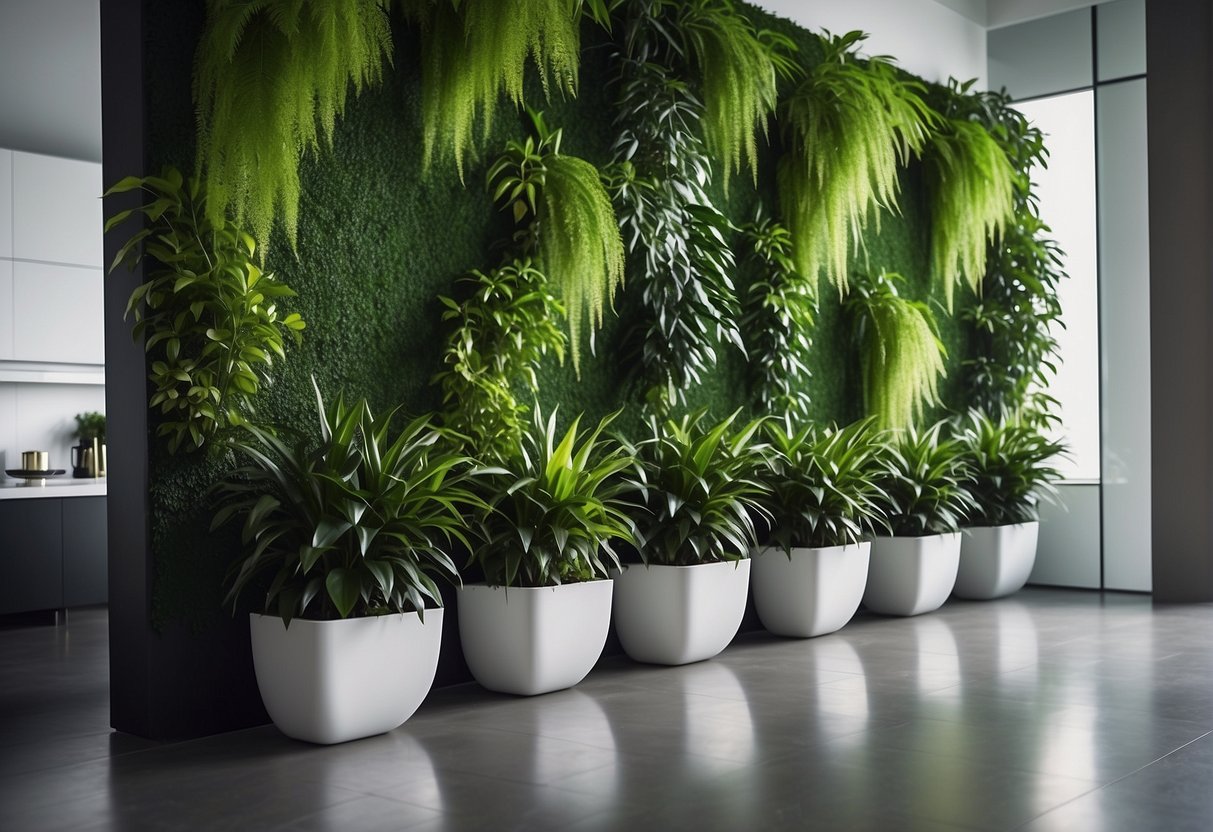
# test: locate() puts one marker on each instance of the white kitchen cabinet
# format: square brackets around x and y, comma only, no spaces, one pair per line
[57,216]
[6,309]
[6,203]
[59,317]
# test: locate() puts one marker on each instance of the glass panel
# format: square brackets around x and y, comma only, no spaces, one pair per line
[1043,56]
[1120,39]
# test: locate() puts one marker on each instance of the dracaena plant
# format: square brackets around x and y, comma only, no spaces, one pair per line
[900,354]
[207,312]
[352,522]
[1010,469]
[925,479]
[556,508]
[848,127]
[695,485]
[822,487]
[780,312]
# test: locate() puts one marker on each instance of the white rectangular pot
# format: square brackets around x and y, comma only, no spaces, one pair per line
[530,640]
[996,560]
[680,614]
[332,681]
[911,575]
[809,591]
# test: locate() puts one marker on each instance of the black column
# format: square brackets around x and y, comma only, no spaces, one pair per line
[1179,35]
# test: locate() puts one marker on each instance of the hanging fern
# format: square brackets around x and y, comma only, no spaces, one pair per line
[270,79]
[849,126]
[971,185]
[901,356]
[778,322]
[475,52]
[573,229]
[738,69]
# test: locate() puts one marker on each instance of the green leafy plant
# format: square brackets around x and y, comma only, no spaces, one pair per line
[822,486]
[901,356]
[971,187]
[695,486]
[90,425]
[502,329]
[1009,469]
[271,77]
[350,523]
[681,263]
[207,310]
[848,126]
[555,509]
[925,479]
[572,232]
[778,321]
[475,52]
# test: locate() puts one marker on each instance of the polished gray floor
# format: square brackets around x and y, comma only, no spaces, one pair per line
[1052,710]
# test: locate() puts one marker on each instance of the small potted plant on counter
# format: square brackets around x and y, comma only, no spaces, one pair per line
[924,478]
[348,528]
[88,457]
[544,541]
[1009,472]
[695,490]
[823,498]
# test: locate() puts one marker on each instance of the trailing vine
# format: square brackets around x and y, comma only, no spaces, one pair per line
[779,316]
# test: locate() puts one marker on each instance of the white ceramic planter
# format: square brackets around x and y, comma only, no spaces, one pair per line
[911,575]
[529,640]
[332,681]
[680,614]
[811,593]
[996,560]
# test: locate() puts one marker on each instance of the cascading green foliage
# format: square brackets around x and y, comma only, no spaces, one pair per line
[573,231]
[971,187]
[207,312]
[900,354]
[848,127]
[1010,469]
[475,52]
[681,263]
[738,67]
[501,330]
[1016,316]
[778,321]
[270,79]
[924,477]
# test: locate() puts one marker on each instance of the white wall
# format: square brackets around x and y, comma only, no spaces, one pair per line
[50,77]
[927,38]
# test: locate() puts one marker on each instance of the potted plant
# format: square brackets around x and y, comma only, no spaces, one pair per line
[539,621]
[348,529]
[823,497]
[88,457]
[695,491]
[1008,474]
[924,478]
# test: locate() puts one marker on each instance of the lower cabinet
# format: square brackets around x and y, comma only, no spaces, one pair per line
[52,553]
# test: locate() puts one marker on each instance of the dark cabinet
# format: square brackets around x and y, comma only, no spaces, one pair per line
[52,553]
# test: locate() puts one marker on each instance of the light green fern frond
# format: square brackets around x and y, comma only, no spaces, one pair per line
[850,126]
[972,189]
[271,78]
[901,356]
[738,66]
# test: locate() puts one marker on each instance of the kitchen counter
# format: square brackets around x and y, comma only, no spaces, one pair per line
[61,486]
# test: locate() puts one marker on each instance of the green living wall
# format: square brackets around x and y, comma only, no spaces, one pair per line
[378,242]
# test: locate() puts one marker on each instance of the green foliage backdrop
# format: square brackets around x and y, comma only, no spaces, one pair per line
[378,242]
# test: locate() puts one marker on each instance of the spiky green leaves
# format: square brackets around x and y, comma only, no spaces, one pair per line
[270,79]
[900,354]
[738,66]
[1010,468]
[971,185]
[849,127]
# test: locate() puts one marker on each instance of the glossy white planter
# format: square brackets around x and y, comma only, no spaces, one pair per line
[911,575]
[996,560]
[529,640]
[680,614]
[332,681]
[814,592]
